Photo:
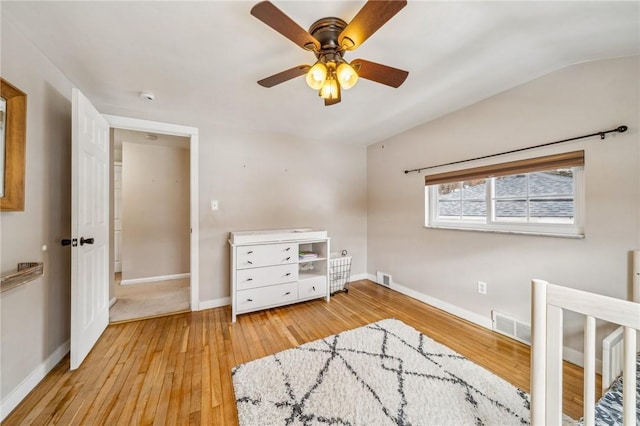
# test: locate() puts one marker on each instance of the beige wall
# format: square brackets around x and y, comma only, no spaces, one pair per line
[446,264]
[261,181]
[360,195]
[274,181]
[35,316]
[155,210]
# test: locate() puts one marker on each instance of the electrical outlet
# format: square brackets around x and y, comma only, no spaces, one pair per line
[482,287]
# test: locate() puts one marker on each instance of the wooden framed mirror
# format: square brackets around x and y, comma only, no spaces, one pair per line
[13,129]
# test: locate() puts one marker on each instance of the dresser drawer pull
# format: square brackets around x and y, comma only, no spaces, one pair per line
[287,249]
[249,262]
[288,258]
[287,274]
[287,293]
[249,279]
[250,252]
[314,288]
[249,300]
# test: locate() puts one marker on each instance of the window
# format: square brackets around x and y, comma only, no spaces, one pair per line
[541,196]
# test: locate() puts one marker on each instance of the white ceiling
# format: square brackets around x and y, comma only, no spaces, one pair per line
[202,59]
[145,138]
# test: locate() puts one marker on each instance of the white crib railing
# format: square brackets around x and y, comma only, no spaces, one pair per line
[548,303]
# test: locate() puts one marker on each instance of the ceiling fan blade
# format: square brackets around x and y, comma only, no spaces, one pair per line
[268,13]
[379,73]
[329,102]
[283,76]
[373,15]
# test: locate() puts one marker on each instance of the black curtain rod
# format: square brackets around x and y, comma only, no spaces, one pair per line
[620,129]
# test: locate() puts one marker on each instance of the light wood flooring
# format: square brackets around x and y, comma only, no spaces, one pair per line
[177,369]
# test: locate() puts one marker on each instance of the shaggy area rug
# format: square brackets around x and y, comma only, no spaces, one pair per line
[385,373]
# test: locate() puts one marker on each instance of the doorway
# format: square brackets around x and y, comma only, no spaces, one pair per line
[154,265]
[150,225]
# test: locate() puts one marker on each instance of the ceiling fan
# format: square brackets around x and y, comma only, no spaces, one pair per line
[329,38]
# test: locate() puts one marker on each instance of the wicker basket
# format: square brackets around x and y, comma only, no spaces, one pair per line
[339,273]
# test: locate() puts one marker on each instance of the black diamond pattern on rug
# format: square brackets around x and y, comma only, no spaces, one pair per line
[385,373]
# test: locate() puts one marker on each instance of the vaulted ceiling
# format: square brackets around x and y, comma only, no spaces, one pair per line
[202,59]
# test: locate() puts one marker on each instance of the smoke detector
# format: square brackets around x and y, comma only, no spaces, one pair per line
[147,95]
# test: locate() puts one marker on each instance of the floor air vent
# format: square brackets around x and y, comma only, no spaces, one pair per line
[384,279]
[511,327]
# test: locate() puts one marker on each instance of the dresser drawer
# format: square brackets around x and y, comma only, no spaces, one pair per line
[312,287]
[266,255]
[268,275]
[256,298]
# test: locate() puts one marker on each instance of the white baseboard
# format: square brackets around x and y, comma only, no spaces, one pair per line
[370,277]
[13,398]
[154,279]
[437,303]
[214,303]
[568,354]
[112,301]
[359,277]
[576,357]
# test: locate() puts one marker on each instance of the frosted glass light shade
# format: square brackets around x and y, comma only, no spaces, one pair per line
[347,76]
[317,75]
[329,89]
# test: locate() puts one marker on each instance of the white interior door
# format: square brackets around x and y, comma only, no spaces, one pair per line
[89,227]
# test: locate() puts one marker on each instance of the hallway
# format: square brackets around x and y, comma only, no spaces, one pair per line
[136,301]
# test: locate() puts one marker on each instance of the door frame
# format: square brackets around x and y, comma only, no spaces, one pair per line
[127,123]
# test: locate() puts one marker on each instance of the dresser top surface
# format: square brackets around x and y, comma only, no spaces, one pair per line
[275,235]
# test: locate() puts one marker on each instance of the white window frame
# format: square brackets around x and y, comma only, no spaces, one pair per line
[574,230]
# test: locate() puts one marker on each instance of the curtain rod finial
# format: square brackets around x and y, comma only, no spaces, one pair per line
[622,129]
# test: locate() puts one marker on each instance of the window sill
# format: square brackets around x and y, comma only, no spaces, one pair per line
[500,231]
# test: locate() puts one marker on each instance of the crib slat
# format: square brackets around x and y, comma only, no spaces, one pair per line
[629,378]
[616,357]
[554,366]
[589,370]
[538,351]
[611,357]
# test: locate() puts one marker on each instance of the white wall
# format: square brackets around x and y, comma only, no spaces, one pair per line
[155,211]
[35,317]
[446,264]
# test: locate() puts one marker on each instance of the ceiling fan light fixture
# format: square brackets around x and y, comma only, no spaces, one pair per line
[317,76]
[347,76]
[329,38]
[347,43]
[329,89]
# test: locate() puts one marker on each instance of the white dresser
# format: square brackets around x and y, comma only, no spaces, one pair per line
[268,271]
